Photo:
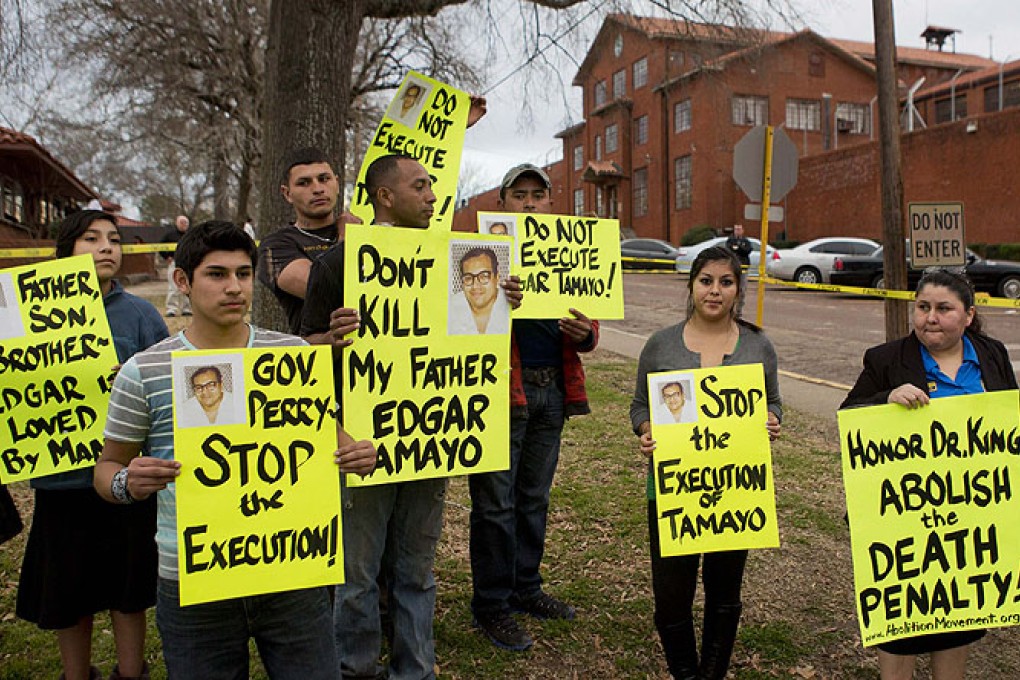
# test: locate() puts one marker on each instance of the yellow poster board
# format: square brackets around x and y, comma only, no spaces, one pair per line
[712,464]
[933,514]
[563,262]
[258,497]
[56,358]
[420,380]
[425,120]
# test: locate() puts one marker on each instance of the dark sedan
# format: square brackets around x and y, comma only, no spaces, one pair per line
[995,277]
[648,253]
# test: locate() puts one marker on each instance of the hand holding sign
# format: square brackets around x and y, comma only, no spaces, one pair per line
[147,475]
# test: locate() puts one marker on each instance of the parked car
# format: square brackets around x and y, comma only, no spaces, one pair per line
[812,262]
[684,262]
[649,249]
[995,277]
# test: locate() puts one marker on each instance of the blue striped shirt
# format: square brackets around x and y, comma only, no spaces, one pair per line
[141,411]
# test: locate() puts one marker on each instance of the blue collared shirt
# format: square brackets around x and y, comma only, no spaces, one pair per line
[968,378]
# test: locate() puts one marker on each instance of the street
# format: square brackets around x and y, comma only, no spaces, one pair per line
[818,335]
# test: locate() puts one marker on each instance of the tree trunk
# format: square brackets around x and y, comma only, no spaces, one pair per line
[309,61]
[221,189]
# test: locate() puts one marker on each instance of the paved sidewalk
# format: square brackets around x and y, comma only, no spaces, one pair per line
[817,397]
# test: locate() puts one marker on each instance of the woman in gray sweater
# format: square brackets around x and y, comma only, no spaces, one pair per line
[712,335]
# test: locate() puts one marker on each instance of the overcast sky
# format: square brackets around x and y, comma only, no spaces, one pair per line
[500,141]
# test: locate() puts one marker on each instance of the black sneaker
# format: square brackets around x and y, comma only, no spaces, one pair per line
[543,606]
[503,631]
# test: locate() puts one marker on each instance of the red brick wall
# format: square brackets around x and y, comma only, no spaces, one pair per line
[838,193]
[466,218]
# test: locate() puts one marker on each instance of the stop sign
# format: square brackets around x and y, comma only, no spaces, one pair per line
[749,164]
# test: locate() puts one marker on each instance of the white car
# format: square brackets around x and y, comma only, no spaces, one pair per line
[812,262]
[684,262]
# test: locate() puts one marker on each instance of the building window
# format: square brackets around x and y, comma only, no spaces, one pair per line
[750,110]
[578,201]
[676,60]
[600,93]
[578,157]
[804,114]
[854,119]
[816,65]
[619,84]
[640,72]
[641,192]
[1010,96]
[641,130]
[598,147]
[612,138]
[682,182]
[682,116]
[600,203]
[947,110]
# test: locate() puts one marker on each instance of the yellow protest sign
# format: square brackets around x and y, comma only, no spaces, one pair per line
[425,120]
[56,354]
[258,497]
[427,378]
[563,262]
[714,489]
[929,494]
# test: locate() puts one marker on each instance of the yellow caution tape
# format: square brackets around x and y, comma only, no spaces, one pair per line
[980,300]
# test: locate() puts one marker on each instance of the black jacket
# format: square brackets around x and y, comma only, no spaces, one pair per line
[895,363]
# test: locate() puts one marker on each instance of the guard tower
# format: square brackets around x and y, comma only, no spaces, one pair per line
[936,36]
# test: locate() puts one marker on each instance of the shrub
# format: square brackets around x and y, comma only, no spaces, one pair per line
[696,235]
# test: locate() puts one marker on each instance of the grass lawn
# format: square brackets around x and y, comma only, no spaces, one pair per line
[798,619]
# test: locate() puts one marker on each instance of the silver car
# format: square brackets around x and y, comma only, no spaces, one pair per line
[684,262]
[812,262]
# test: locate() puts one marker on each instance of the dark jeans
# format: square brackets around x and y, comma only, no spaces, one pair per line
[675,579]
[292,631]
[509,509]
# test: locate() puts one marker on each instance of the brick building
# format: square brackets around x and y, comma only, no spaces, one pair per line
[666,101]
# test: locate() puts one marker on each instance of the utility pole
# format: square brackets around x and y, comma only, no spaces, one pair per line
[895,261]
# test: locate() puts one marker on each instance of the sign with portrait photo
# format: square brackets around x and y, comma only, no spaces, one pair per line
[714,487]
[426,120]
[258,497]
[427,377]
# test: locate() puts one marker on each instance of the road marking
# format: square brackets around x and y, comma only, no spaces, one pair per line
[815,381]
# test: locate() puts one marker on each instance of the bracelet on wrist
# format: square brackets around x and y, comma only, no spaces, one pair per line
[119,487]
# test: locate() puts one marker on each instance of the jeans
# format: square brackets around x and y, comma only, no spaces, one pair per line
[210,641]
[509,508]
[404,520]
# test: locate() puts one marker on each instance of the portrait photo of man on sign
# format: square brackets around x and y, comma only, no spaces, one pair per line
[209,396]
[408,104]
[675,403]
[477,303]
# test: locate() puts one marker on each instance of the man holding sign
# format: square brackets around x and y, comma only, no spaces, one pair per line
[216,263]
[509,509]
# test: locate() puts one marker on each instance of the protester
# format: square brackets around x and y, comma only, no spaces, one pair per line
[292,629]
[509,508]
[946,354]
[712,335]
[312,188]
[404,519]
[176,304]
[84,555]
